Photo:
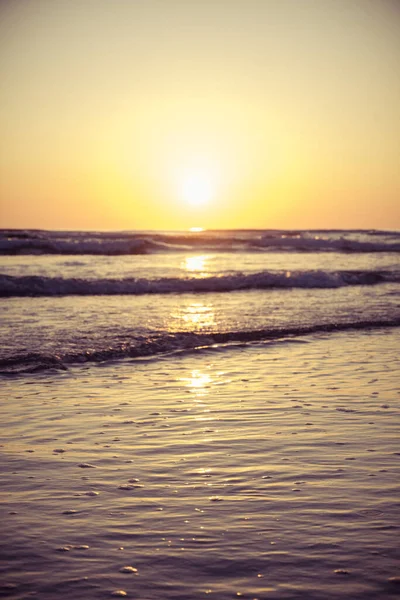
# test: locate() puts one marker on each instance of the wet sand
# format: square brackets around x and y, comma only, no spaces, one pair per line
[266,472]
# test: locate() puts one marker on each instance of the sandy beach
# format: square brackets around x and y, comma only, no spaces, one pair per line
[268,471]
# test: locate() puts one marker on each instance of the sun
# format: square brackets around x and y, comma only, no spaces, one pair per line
[197,187]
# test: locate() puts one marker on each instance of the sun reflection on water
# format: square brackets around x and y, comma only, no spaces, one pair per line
[198,315]
[198,382]
[196,265]
[193,316]
[199,379]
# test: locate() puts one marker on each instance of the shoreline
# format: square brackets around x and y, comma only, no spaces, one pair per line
[268,472]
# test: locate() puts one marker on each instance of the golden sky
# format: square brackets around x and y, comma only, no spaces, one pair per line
[169,114]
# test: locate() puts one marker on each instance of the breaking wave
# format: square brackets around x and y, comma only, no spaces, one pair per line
[157,345]
[35,285]
[131,243]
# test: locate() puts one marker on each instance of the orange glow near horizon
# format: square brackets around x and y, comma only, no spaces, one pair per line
[256,114]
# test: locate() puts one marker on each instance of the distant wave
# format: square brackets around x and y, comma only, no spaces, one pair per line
[183,343]
[94,246]
[131,243]
[56,286]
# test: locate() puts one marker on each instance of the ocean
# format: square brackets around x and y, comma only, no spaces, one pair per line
[73,297]
[200,414]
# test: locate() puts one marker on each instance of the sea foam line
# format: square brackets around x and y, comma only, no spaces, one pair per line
[158,345]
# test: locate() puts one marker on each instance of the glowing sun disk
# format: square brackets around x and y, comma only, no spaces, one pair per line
[197,188]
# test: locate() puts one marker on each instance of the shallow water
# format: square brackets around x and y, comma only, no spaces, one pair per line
[189,264]
[81,328]
[261,471]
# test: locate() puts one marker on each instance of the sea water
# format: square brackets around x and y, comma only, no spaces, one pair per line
[208,415]
[69,297]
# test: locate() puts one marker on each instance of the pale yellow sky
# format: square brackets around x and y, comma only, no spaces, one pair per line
[167,114]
